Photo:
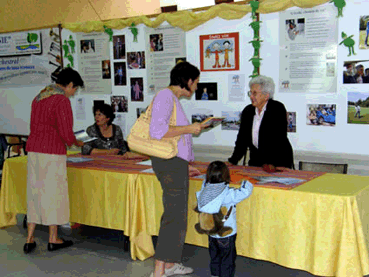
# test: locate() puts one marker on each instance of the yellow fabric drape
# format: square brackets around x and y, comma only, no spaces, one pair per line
[188,20]
[320,227]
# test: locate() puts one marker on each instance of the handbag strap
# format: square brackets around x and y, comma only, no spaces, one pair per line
[173,117]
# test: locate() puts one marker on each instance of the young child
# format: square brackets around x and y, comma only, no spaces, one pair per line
[215,193]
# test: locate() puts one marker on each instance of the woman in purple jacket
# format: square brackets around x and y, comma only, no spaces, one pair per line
[173,174]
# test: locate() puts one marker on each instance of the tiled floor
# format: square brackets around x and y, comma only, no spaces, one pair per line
[99,252]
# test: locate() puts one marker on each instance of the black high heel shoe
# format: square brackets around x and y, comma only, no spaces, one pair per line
[57,246]
[29,247]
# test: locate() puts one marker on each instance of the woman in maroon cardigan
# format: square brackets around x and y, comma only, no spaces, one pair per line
[51,131]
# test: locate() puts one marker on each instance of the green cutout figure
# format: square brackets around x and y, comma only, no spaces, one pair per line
[256,63]
[70,59]
[339,4]
[254,6]
[134,31]
[66,48]
[72,44]
[255,25]
[256,43]
[348,42]
[109,32]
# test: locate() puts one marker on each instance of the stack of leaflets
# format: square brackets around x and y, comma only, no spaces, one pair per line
[83,136]
[281,180]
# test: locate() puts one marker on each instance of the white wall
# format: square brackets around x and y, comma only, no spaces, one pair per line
[343,138]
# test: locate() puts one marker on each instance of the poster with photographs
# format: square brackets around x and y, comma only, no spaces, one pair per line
[232,120]
[356,72]
[120,74]
[206,91]
[137,89]
[219,52]
[119,103]
[94,62]
[164,46]
[291,122]
[119,47]
[321,114]
[358,107]
[308,40]
[136,60]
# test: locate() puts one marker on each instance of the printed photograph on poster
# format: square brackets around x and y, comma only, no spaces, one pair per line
[120,74]
[87,46]
[236,87]
[139,111]
[321,114]
[119,104]
[105,67]
[219,52]
[120,120]
[358,107]
[295,27]
[156,42]
[364,32]
[137,89]
[206,91]
[136,60]
[119,47]
[182,59]
[356,72]
[200,117]
[232,120]
[291,122]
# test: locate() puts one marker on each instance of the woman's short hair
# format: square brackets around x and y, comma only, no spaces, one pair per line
[266,84]
[183,72]
[67,75]
[217,172]
[106,110]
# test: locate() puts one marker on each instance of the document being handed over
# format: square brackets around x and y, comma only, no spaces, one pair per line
[83,136]
[212,122]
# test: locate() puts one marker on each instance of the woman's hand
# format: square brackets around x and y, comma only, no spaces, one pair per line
[79,143]
[131,155]
[193,171]
[113,151]
[196,128]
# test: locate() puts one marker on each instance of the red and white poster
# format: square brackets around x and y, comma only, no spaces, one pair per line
[219,52]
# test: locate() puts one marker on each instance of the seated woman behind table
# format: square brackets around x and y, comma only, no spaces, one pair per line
[263,129]
[109,136]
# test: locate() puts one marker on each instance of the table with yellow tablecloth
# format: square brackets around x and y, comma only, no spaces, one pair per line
[320,227]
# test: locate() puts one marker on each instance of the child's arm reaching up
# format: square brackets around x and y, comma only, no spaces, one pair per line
[237,195]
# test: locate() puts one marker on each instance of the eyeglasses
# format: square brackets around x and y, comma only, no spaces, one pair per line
[253,93]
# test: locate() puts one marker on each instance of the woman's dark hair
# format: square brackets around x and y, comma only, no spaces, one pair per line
[67,75]
[106,110]
[182,73]
[217,172]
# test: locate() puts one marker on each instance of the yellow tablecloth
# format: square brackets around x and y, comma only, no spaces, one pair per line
[320,227]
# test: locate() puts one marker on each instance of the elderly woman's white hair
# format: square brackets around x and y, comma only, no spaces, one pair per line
[266,84]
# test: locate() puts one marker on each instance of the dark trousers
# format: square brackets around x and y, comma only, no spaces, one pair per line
[173,177]
[223,256]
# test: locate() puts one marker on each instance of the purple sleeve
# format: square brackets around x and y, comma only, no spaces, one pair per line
[161,112]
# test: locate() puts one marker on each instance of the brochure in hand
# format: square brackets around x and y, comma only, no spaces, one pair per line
[212,122]
[83,136]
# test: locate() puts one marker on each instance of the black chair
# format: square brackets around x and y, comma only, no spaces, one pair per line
[323,167]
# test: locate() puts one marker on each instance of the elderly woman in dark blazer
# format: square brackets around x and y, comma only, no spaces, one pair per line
[263,129]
